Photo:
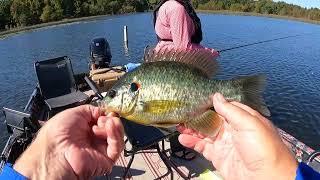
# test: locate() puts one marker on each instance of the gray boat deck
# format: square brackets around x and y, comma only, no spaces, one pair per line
[150,166]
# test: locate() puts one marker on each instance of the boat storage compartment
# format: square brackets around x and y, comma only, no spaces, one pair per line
[105,78]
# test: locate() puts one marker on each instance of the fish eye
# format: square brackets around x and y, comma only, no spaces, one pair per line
[134,87]
[112,93]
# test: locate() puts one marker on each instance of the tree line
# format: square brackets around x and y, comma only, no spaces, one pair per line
[17,13]
[261,7]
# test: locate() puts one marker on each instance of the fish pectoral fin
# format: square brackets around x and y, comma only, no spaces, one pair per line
[208,123]
[161,106]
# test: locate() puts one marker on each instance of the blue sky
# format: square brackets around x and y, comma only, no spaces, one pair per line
[304,3]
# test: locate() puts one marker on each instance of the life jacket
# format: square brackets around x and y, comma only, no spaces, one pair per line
[196,38]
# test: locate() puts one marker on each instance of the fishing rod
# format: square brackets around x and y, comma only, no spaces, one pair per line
[259,42]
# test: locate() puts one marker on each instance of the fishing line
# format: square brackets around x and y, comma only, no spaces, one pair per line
[259,42]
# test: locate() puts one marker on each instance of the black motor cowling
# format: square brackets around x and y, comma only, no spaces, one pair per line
[100,53]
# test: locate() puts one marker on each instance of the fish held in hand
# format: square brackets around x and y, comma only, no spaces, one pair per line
[172,88]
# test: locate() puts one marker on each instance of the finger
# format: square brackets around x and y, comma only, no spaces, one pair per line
[237,117]
[187,131]
[115,138]
[183,130]
[113,132]
[100,132]
[95,111]
[119,127]
[188,141]
[88,112]
[264,120]
[102,121]
[200,145]
[109,127]
[246,108]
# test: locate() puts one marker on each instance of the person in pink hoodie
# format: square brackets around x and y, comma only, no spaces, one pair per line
[177,26]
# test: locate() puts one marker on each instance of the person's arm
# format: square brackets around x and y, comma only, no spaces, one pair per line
[181,27]
[305,172]
[9,173]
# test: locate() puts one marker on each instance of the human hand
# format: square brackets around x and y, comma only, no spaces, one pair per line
[76,143]
[248,146]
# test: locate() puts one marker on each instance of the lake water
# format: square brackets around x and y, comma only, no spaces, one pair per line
[292,65]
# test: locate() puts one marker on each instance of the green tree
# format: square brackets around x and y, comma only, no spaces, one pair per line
[5,16]
[46,14]
[115,6]
[78,12]
[140,5]
[36,7]
[236,7]
[28,12]
[57,9]
[314,14]
[69,7]
[127,9]
[52,11]
[20,12]
[249,7]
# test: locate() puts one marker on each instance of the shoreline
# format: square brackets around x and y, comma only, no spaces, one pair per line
[6,33]
[227,12]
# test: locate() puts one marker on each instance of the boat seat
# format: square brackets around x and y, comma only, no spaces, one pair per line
[57,83]
[66,100]
[19,121]
[21,129]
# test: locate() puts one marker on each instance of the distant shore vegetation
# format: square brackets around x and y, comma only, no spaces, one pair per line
[264,7]
[15,14]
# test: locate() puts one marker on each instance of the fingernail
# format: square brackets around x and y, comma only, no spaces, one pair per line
[219,98]
[197,148]
[95,128]
[102,121]
[67,155]
[110,114]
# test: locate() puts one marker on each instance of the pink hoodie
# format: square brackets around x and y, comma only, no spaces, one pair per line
[173,22]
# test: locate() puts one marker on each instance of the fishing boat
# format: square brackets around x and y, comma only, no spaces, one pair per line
[150,160]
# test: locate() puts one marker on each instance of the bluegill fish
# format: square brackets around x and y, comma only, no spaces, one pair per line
[173,87]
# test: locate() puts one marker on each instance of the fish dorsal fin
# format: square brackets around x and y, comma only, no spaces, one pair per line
[201,59]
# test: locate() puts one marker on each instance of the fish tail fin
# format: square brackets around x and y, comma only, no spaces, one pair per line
[252,87]
[208,123]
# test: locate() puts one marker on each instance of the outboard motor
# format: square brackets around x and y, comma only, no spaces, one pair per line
[100,54]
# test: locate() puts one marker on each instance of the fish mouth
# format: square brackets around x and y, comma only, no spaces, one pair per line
[107,109]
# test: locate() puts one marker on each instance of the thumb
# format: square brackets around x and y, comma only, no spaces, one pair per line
[237,117]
